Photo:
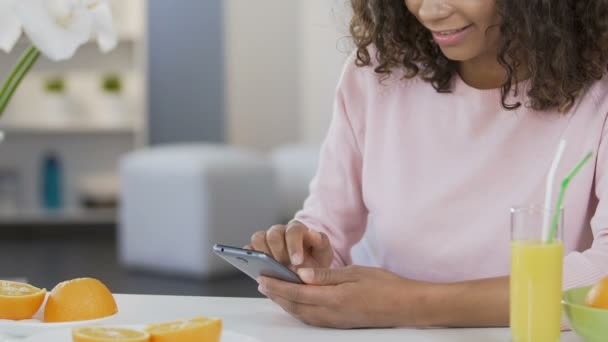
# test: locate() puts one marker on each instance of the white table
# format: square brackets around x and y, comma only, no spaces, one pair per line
[264,320]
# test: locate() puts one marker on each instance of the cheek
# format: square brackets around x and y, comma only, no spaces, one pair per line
[413,5]
[492,30]
[485,16]
[483,12]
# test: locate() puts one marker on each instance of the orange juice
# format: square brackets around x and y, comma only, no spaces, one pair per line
[536,291]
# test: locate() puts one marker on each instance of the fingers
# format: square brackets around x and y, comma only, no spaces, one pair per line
[313,305]
[294,237]
[321,247]
[275,239]
[328,276]
[258,242]
[308,314]
[293,244]
[272,242]
[297,293]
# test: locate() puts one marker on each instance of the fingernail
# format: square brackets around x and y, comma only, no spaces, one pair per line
[296,259]
[306,274]
[262,289]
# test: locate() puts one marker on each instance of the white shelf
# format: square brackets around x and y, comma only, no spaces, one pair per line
[30,129]
[63,217]
[85,144]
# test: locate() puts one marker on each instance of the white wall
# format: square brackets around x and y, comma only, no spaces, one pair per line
[261,72]
[283,59]
[323,46]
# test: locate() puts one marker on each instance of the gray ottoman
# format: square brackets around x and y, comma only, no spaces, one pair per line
[178,201]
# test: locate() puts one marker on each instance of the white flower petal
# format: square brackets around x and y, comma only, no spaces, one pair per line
[103,26]
[58,38]
[10,26]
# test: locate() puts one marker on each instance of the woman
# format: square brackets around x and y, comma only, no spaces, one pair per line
[449,114]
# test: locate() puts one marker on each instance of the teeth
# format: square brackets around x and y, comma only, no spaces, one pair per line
[447,33]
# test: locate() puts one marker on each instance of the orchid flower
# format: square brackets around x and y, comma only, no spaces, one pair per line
[56,28]
[10,26]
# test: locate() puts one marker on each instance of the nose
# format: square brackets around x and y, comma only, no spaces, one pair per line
[433,10]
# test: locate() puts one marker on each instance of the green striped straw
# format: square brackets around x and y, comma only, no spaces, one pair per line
[562,193]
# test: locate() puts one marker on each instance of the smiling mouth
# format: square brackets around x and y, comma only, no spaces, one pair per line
[450,32]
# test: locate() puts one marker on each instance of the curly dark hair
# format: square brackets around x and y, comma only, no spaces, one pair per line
[563,44]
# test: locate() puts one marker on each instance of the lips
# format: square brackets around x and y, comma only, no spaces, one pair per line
[451,37]
[449,32]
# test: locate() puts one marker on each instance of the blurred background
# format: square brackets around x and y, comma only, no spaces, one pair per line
[202,127]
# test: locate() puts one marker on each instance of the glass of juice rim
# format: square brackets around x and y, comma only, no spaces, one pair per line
[527,223]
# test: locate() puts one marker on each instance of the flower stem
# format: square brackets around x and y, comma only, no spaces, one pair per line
[14,79]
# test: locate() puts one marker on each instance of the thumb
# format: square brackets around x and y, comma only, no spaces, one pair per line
[326,276]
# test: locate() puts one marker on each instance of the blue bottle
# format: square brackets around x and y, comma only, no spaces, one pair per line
[52,182]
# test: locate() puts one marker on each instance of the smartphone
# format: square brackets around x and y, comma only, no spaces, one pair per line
[256,264]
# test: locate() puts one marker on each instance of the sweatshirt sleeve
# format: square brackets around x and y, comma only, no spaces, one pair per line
[590,266]
[335,204]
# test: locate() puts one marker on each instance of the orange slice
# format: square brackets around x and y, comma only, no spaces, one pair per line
[79,300]
[102,334]
[199,329]
[19,300]
[598,295]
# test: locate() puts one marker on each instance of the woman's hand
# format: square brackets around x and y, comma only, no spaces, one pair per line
[351,297]
[294,245]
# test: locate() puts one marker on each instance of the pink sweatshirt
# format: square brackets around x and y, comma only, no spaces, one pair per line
[430,178]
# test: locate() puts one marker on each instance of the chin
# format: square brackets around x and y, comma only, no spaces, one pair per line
[459,54]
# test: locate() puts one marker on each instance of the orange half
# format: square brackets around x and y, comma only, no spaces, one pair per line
[199,329]
[78,300]
[19,300]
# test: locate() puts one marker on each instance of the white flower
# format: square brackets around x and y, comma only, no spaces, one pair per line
[10,26]
[103,25]
[58,27]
